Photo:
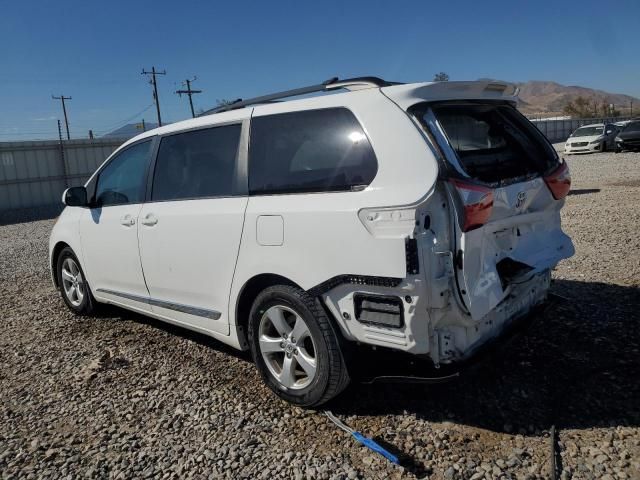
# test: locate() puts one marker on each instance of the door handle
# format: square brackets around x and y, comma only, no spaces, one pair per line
[127,220]
[149,220]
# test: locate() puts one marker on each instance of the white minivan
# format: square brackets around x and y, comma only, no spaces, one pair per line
[422,217]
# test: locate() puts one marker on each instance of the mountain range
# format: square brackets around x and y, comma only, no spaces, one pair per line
[543,97]
[129,130]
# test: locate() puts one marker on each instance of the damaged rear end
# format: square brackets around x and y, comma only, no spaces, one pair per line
[493,236]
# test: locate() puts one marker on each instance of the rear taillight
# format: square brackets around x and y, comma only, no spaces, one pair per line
[559,181]
[477,201]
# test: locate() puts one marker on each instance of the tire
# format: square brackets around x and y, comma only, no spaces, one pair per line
[306,371]
[75,291]
[617,150]
[604,147]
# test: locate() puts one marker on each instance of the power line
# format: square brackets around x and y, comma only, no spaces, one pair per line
[153,74]
[122,123]
[189,92]
[78,131]
[64,110]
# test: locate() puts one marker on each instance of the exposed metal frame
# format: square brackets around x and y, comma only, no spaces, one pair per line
[332,84]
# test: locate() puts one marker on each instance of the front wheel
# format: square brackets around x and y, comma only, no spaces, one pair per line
[295,347]
[73,284]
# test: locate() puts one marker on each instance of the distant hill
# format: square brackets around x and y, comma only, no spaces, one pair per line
[129,130]
[550,97]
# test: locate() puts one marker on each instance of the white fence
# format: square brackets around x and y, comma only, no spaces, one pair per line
[34,174]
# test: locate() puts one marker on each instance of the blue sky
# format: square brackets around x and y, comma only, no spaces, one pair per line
[95,51]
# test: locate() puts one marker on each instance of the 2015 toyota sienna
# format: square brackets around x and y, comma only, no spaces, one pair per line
[418,217]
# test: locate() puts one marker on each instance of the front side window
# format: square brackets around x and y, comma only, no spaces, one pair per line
[197,164]
[122,181]
[309,151]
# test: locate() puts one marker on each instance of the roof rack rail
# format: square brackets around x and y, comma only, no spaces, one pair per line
[332,84]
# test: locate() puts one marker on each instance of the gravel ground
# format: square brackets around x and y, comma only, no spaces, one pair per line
[121,396]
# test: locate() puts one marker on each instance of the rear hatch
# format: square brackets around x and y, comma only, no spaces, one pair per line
[506,186]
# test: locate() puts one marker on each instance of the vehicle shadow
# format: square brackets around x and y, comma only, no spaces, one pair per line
[577,365]
[32,214]
[112,312]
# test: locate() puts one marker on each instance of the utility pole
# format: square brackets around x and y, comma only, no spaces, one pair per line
[153,74]
[62,160]
[62,98]
[142,126]
[189,92]
[631,109]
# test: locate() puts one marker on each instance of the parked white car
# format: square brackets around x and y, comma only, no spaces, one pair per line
[423,218]
[598,137]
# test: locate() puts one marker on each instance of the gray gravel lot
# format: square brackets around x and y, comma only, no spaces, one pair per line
[121,396]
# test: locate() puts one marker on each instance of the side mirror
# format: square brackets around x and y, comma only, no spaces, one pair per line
[75,197]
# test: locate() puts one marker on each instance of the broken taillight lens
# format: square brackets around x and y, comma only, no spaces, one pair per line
[559,181]
[477,201]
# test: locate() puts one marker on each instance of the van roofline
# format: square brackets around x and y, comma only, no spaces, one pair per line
[404,95]
[334,83]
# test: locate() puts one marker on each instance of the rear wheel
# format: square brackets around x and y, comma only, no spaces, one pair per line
[295,347]
[73,285]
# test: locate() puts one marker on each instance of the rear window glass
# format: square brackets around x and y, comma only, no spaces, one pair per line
[310,151]
[197,164]
[494,142]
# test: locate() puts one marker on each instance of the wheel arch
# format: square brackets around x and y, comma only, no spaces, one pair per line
[250,290]
[55,253]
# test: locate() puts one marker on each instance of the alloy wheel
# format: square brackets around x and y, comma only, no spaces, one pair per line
[72,282]
[287,347]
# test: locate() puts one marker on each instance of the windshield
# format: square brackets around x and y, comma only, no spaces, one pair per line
[632,127]
[588,131]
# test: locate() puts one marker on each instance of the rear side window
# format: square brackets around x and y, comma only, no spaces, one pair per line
[310,151]
[122,180]
[197,164]
[494,142]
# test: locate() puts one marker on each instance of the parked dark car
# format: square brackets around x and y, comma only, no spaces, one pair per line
[629,137]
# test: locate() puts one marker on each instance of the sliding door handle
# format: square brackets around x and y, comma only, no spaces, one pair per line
[149,220]
[127,220]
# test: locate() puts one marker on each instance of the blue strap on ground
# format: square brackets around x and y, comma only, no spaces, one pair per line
[367,442]
[372,445]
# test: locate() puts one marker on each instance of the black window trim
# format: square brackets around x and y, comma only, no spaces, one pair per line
[313,191]
[92,185]
[242,179]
